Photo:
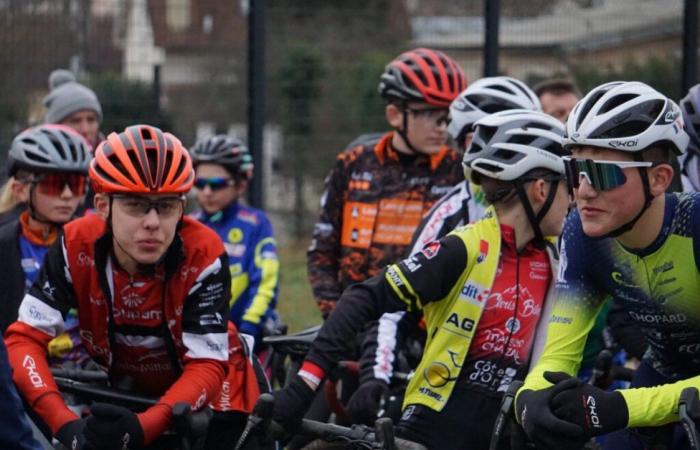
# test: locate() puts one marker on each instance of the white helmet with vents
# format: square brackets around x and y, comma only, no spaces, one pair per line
[487,96]
[508,144]
[626,115]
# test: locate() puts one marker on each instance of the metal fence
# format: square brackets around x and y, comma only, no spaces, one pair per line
[184,65]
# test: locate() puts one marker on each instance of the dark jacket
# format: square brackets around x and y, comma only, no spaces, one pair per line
[12,279]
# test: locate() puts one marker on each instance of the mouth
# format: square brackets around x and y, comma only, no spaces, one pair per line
[589,210]
[149,244]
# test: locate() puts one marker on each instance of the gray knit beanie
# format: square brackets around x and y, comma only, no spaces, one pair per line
[67,96]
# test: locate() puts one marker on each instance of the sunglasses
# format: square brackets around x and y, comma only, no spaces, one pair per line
[601,175]
[214,183]
[438,115]
[53,185]
[140,206]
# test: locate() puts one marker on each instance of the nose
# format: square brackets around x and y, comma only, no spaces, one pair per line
[151,219]
[67,193]
[584,190]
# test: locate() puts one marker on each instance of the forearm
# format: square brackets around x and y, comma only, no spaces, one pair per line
[359,305]
[654,406]
[26,349]
[200,381]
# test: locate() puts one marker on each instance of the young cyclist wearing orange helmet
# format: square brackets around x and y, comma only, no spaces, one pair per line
[377,193]
[151,289]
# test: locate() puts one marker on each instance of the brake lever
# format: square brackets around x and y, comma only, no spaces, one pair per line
[261,412]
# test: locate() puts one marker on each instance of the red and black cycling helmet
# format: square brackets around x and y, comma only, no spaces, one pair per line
[142,159]
[423,75]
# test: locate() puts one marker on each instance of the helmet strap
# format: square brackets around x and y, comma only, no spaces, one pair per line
[403,131]
[536,219]
[648,198]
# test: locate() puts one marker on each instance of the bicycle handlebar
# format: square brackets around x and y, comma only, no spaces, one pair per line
[325,431]
[689,412]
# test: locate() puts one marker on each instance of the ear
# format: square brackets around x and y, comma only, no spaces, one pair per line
[660,178]
[20,190]
[537,192]
[394,115]
[102,205]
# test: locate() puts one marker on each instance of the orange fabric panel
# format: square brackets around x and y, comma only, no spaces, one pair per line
[358,224]
[397,220]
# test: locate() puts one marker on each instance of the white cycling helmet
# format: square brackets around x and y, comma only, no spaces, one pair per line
[690,106]
[628,116]
[487,96]
[508,144]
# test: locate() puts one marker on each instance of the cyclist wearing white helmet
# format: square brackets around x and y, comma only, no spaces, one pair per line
[631,241]
[482,290]
[690,161]
[463,203]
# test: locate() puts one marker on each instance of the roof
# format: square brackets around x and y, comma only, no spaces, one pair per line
[569,26]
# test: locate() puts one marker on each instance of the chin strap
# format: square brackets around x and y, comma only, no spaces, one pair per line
[648,198]
[536,219]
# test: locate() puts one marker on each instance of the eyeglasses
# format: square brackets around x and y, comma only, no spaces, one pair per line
[133,206]
[439,116]
[601,175]
[54,184]
[214,183]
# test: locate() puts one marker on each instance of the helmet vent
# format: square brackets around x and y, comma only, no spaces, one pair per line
[489,167]
[587,107]
[501,88]
[505,155]
[135,163]
[474,148]
[617,101]
[486,133]
[522,139]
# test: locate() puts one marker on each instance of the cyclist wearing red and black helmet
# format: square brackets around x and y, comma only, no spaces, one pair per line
[377,193]
[151,290]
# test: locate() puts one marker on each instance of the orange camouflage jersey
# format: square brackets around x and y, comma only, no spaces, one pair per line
[373,201]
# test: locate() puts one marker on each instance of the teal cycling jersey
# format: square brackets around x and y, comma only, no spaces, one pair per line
[252,253]
[659,287]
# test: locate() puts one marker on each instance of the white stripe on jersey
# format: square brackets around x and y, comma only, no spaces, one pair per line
[212,268]
[41,316]
[386,345]
[210,346]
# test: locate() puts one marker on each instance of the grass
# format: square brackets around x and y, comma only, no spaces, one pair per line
[295,306]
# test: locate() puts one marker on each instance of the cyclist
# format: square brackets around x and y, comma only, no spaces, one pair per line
[483,284]
[223,167]
[75,105]
[48,165]
[690,161]
[151,290]
[630,241]
[557,96]
[376,194]
[463,203]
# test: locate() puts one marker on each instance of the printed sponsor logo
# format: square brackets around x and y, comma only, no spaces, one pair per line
[693,348]
[394,276]
[216,347]
[463,323]
[665,267]
[235,235]
[483,251]
[560,319]
[438,374]
[234,250]
[412,264]
[474,292]
[84,260]
[513,325]
[211,319]
[37,315]
[659,318]
[152,314]
[618,278]
[34,377]
[630,143]
[361,176]
[440,190]
[430,250]
[671,115]
[594,420]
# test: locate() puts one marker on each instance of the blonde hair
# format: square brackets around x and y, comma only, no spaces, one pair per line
[8,200]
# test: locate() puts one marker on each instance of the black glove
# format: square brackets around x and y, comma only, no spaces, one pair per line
[113,427]
[291,404]
[542,427]
[364,403]
[72,436]
[594,410]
